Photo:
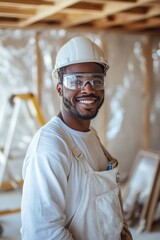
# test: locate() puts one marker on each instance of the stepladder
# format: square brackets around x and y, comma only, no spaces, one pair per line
[24,109]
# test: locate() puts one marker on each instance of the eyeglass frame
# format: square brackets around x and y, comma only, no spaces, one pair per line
[91,81]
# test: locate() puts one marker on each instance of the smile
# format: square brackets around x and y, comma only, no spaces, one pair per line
[87,101]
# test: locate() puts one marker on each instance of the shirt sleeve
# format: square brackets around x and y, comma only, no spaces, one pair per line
[44,192]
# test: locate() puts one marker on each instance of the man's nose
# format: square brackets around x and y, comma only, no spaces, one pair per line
[88,87]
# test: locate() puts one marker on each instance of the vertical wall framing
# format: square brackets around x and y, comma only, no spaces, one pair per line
[147,49]
[38,68]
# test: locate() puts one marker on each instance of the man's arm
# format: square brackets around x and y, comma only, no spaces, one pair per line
[43,199]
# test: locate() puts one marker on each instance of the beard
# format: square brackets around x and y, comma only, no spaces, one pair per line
[74,111]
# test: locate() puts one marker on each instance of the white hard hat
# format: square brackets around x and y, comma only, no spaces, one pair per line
[79,50]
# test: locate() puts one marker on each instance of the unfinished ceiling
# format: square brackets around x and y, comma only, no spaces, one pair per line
[126,15]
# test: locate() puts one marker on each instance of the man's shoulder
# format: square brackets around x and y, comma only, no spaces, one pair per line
[49,136]
[52,127]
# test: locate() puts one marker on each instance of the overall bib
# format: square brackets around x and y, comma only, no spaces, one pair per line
[99,214]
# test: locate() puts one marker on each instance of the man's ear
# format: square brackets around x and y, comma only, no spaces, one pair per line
[59,89]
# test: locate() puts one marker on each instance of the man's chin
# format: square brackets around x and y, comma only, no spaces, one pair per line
[85,116]
[88,115]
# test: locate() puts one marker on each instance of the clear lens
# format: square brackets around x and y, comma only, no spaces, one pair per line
[78,81]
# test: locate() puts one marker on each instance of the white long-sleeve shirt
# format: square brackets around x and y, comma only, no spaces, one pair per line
[54,180]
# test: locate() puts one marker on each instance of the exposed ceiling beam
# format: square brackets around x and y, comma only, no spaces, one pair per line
[88,14]
[46,13]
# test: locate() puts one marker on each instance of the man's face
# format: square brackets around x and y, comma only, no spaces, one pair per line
[83,103]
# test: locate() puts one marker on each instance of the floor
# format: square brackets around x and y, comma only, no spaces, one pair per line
[11,223]
[10,200]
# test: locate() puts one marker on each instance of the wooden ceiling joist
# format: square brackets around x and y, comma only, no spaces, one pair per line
[132,15]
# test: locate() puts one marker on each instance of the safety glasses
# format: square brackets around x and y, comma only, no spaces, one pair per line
[78,81]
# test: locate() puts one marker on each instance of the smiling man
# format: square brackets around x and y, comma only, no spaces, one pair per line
[71,186]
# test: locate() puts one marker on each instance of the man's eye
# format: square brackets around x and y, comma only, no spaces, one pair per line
[76,82]
[73,83]
[98,82]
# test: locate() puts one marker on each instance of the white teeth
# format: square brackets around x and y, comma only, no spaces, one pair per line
[87,101]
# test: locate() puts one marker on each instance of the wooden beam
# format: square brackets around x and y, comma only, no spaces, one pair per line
[147,79]
[18,13]
[138,26]
[47,12]
[121,18]
[26,3]
[38,68]
[109,7]
[125,15]
[103,111]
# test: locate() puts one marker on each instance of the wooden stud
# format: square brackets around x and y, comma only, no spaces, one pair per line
[147,73]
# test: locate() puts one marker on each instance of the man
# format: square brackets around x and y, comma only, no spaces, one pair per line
[70,181]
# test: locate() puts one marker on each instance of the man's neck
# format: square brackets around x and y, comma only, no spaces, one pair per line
[74,123]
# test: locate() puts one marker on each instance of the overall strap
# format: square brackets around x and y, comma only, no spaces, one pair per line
[111,160]
[77,153]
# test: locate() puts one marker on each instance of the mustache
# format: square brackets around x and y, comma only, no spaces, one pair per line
[92,95]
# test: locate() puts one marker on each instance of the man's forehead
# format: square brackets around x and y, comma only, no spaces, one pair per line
[84,67]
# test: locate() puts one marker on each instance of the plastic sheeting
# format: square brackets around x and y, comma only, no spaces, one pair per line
[120,120]
[155,107]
